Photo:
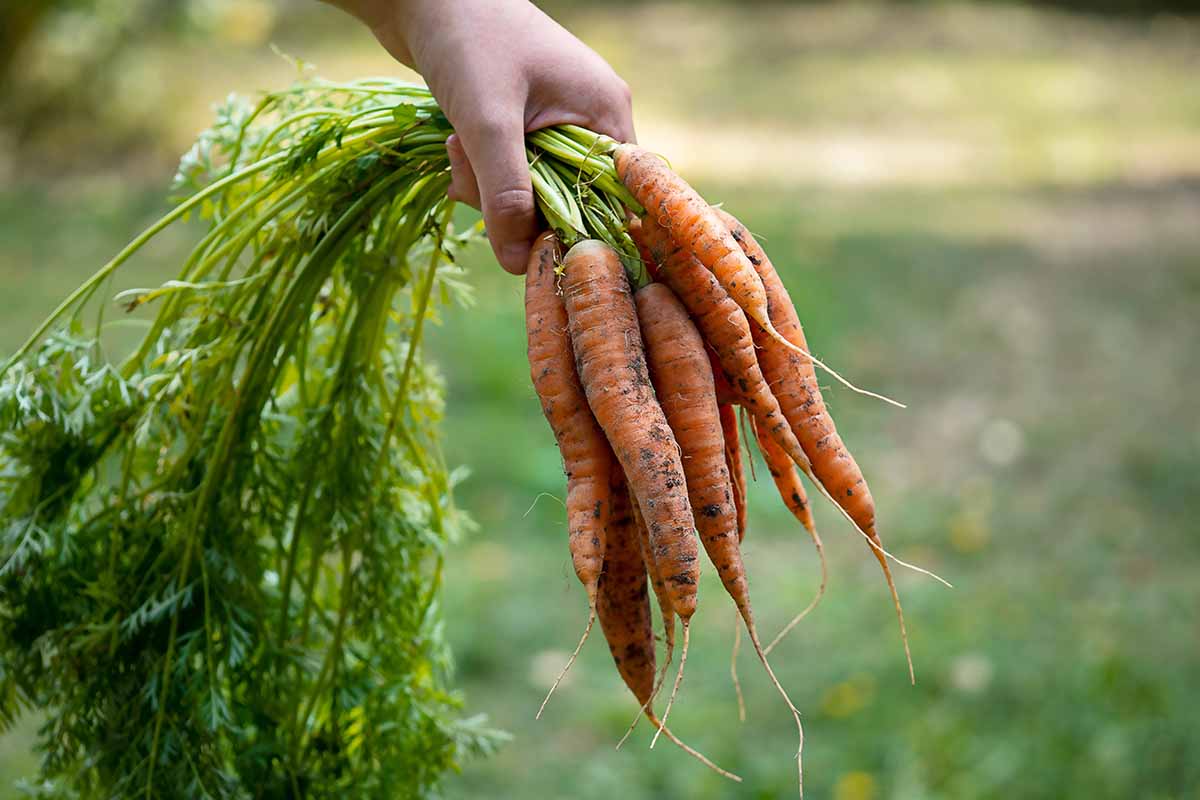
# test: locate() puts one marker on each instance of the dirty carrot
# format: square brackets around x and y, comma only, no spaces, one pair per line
[682,378]
[612,368]
[623,608]
[664,607]
[587,458]
[794,382]
[725,330]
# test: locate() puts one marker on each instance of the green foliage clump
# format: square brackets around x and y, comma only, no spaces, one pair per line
[221,553]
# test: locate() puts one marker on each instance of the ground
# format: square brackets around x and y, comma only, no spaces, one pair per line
[992,214]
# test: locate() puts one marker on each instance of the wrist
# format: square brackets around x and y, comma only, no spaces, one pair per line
[395,23]
[428,34]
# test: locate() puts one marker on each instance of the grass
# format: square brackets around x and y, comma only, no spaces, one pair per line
[1032,298]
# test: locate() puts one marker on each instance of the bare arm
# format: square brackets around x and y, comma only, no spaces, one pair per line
[499,68]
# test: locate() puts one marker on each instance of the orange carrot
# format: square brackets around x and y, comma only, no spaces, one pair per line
[795,385]
[664,607]
[733,462]
[682,377]
[624,611]
[725,329]
[587,458]
[635,232]
[624,603]
[612,368]
[673,204]
[676,206]
[787,480]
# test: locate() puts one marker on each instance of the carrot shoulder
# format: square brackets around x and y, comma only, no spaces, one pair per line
[675,205]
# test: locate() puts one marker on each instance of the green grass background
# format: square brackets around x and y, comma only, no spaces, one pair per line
[992,214]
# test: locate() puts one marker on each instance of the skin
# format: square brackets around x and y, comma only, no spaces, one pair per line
[499,69]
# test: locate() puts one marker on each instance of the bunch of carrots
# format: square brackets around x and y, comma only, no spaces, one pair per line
[651,317]
[639,371]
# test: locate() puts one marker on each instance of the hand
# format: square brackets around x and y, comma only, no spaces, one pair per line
[499,69]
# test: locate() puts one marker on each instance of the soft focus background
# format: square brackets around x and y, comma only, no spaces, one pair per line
[989,211]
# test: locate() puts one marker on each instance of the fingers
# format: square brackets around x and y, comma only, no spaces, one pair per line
[620,113]
[495,151]
[464,188]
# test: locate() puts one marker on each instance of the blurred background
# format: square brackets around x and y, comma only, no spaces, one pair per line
[990,211]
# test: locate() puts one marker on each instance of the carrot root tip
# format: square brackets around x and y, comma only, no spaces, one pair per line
[587,630]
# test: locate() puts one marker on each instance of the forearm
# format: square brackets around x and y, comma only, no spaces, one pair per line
[407,27]
[393,22]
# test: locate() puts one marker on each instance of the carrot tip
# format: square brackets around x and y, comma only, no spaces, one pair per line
[587,630]
[674,689]
[812,604]
[779,337]
[733,673]
[762,656]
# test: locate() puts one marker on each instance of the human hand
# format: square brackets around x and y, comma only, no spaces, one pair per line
[499,69]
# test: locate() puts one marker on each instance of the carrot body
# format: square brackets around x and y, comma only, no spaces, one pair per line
[733,462]
[795,381]
[673,204]
[587,458]
[787,481]
[612,368]
[623,608]
[725,329]
[624,602]
[656,581]
[682,378]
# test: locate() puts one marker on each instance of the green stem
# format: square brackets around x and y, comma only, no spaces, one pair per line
[87,287]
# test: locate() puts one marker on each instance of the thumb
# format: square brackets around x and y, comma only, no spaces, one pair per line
[496,151]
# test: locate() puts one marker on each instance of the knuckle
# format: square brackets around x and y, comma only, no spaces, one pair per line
[624,92]
[490,125]
[511,202]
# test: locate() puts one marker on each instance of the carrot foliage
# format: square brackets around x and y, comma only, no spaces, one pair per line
[221,546]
